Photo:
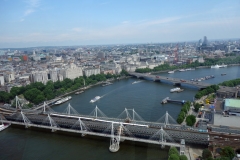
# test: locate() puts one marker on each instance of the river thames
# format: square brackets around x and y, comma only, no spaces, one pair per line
[144,97]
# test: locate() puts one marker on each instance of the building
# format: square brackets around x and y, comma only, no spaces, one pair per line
[232,106]
[8,77]
[53,75]
[71,71]
[39,76]
[228,92]
[91,71]
[205,41]
[101,55]
[2,80]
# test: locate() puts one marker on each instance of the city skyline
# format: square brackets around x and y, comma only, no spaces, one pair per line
[31,23]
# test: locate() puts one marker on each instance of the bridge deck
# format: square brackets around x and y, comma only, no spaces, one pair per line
[169,79]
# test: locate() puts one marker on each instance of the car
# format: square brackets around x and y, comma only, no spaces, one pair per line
[157,77]
[183,80]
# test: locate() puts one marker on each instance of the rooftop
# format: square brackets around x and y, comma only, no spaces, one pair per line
[231,121]
[232,102]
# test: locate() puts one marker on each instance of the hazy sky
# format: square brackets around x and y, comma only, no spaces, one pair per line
[27,23]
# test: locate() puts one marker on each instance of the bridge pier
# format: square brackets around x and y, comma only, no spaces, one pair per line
[177,84]
[182,147]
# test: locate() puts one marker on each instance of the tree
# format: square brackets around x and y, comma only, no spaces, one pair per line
[206,154]
[173,150]
[227,152]
[173,157]
[4,96]
[183,157]
[190,120]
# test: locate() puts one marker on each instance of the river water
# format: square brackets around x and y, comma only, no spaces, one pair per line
[144,97]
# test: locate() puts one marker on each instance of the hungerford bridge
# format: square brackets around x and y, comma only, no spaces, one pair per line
[175,81]
[127,126]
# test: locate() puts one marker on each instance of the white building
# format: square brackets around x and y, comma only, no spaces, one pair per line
[112,66]
[8,77]
[2,80]
[39,76]
[71,71]
[53,75]
[91,71]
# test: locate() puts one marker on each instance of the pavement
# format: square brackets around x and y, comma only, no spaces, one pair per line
[193,153]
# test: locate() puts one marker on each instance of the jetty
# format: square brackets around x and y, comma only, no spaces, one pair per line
[168,100]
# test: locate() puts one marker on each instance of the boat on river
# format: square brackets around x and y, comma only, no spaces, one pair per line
[4,126]
[65,99]
[177,89]
[171,72]
[136,82]
[95,99]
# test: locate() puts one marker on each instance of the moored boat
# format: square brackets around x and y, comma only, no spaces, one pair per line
[79,92]
[106,84]
[215,66]
[171,72]
[182,70]
[63,100]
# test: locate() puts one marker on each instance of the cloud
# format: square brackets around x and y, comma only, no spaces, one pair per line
[32,6]
[21,20]
[77,29]
[28,11]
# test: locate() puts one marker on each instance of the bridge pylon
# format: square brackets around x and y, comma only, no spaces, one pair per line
[26,121]
[81,125]
[52,123]
[162,137]
[166,119]
[128,118]
[70,110]
[97,113]
[115,140]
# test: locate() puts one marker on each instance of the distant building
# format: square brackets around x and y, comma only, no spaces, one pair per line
[39,76]
[205,41]
[71,71]
[8,77]
[91,71]
[2,80]
[53,75]
[101,55]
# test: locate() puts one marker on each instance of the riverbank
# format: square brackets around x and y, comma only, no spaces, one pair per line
[83,88]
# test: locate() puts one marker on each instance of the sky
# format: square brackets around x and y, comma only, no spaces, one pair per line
[32,23]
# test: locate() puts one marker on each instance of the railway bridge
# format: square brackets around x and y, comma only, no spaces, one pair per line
[127,126]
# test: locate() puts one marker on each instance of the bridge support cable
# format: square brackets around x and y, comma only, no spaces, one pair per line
[47,109]
[162,137]
[25,120]
[81,126]
[166,119]
[126,116]
[48,121]
[97,113]
[70,110]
